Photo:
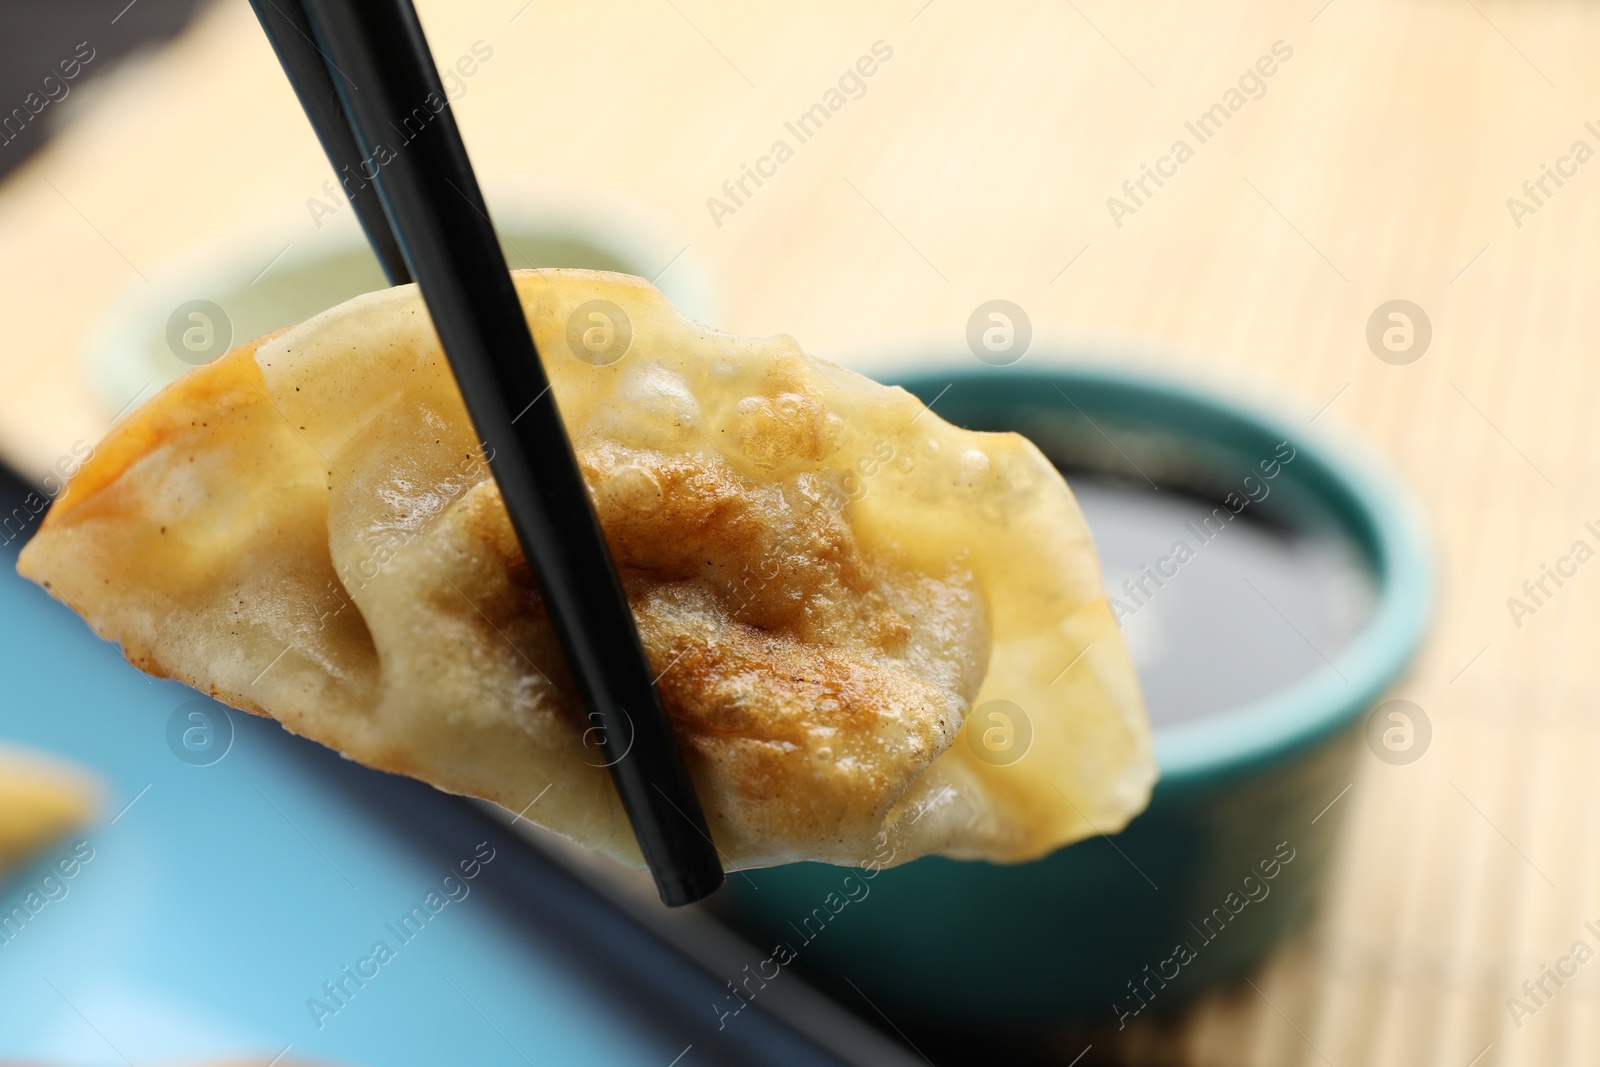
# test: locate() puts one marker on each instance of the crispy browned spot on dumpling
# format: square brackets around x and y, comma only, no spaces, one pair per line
[826,576]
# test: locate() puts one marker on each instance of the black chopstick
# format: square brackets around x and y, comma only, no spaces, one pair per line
[394,102]
[289,33]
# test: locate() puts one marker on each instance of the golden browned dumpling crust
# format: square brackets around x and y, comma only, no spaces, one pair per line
[827,578]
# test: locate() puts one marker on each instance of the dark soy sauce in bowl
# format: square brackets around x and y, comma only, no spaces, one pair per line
[1301,594]
[1220,608]
[1230,579]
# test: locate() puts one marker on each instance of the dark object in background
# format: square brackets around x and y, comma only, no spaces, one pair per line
[538,899]
[18,519]
[36,38]
[288,28]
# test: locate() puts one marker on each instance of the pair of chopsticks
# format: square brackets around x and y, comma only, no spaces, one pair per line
[364,74]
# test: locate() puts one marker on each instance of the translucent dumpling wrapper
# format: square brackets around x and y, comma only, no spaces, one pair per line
[878,636]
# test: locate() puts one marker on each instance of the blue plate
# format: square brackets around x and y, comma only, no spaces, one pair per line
[224,908]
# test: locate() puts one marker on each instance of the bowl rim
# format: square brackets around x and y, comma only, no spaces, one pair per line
[112,350]
[1371,506]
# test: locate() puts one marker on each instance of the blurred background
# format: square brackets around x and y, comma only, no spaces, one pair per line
[1428,151]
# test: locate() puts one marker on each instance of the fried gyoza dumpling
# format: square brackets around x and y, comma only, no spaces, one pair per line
[828,578]
[40,801]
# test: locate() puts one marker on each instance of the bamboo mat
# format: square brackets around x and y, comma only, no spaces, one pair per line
[1376,165]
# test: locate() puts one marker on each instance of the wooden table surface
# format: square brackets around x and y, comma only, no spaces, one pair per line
[1375,163]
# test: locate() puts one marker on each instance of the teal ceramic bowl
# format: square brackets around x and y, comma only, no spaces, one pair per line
[1239,834]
